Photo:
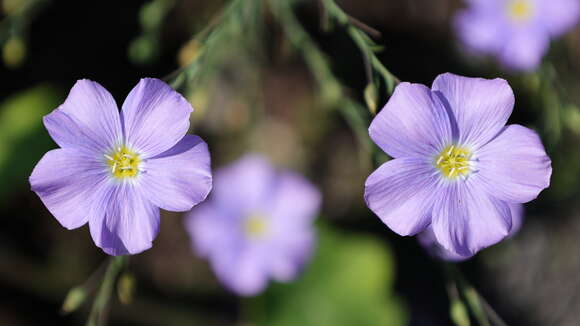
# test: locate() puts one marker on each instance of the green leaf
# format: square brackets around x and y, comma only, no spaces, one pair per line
[24,139]
[349,282]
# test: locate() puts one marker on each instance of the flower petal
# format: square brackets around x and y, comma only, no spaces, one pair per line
[245,185]
[65,180]
[401,193]
[480,107]
[155,117]
[525,48]
[88,118]
[559,16]
[295,200]
[514,166]
[428,240]
[179,178]
[466,219]
[128,222]
[242,271]
[412,122]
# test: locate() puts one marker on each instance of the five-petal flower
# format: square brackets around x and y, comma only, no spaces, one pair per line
[115,169]
[457,167]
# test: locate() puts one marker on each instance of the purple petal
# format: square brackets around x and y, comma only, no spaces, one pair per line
[65,180]
[514,166]
[481,30]
[295,201]
[559,16]
[128,222]
[517,212]
[412,122]
[155,117]
[525,48]
[242,271]
[479,106]
[401,193]
[291,210]
[179,178]
[428,240]
[466,219]
[212,231]
[245,185]
[88,118]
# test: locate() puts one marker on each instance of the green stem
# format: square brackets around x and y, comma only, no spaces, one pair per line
[99,309]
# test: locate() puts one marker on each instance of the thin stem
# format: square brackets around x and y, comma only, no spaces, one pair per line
[100,305]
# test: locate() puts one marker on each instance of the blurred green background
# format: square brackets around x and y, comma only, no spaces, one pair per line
[254,90]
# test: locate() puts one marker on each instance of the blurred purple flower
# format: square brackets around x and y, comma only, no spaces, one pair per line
[114,170]
[517,32]
[428,240]
[256,225]
[457,166]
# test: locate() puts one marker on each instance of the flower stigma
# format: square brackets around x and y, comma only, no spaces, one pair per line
[454,161]
[255,226]
[519,10]
[123,162]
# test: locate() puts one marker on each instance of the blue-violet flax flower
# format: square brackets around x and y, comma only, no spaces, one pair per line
[256,225]
[457,167]
[517,32]
[115,169]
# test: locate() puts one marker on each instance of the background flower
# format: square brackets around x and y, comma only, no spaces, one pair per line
[114,170]
[517,32]
[256,226]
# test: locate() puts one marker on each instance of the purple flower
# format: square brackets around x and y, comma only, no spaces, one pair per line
[428,240]
[517,32]
[256,225]
[457,167]
[114,170]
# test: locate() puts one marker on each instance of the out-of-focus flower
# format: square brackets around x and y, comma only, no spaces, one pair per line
[457,167]
[114,170]
[256,225]
[428,240]
[517,32]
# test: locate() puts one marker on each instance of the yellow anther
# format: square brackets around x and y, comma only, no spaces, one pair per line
[255,226]
[520,10]
[453,162]
[124,163]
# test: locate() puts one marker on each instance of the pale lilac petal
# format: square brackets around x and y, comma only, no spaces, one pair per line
[517,212]
[212,231]
[245,185]
[480,31]
[291,210]
[155,117]
[242,271]
[428,240]
[479,106]
[412,122]
[65,180]
[88,118]
[179,178]
[295,200]
[559,16]
[514,166]
[466,219]
[401,193]
[524,49]
[129,222]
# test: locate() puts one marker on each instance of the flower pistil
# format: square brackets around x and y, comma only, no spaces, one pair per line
[124,163]
[455,161]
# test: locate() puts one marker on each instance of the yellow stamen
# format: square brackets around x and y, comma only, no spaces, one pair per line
[255,226]
[124,163]
[519,10]
[454,161]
